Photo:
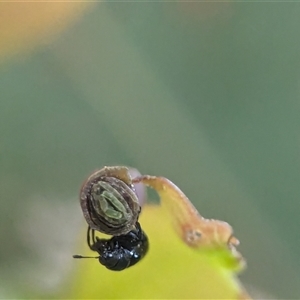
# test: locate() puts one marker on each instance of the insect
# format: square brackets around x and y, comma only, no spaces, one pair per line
[119,252]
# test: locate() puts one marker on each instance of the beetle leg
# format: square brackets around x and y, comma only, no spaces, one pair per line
[139,229]
[90,235]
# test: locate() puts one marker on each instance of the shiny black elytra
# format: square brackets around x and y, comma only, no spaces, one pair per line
[119,252]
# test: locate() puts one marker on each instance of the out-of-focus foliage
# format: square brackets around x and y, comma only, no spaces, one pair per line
[204,94]
[24,25]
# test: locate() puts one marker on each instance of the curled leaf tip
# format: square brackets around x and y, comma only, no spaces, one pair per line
[195,231]
[109,202]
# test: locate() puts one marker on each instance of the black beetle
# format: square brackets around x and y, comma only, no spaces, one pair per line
[119,252]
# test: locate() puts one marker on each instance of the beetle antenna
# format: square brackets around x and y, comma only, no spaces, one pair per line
[80,256]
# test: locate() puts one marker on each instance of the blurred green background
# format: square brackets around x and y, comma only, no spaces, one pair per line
[206,94]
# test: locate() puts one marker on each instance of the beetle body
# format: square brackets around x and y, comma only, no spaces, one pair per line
[120,252]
